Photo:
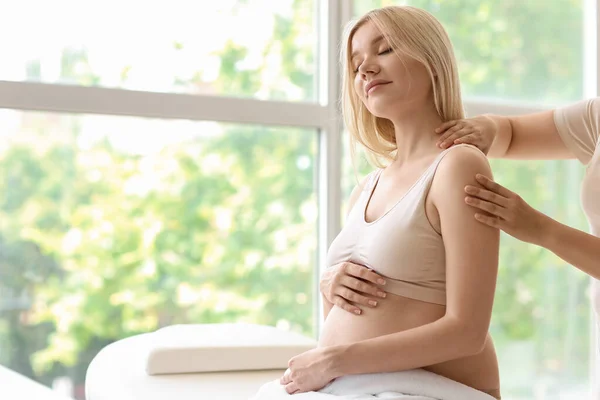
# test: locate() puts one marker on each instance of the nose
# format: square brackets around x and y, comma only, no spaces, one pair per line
[367,68]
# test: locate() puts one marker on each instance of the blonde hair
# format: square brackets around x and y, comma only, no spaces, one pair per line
[410,32]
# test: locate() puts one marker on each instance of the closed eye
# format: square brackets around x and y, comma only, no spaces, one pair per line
[382,53]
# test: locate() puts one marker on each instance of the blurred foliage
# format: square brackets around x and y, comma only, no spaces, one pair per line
[529,51]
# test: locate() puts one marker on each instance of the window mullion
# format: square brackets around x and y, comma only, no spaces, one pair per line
[73,99]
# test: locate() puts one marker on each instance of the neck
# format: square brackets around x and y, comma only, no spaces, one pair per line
[415,134]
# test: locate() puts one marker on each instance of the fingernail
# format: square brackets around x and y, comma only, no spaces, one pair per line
[437,129]
[381,294]
[357,312]
[468,200]
[457,141]
[373,303]
[381,281]
[479,176]
[470,189]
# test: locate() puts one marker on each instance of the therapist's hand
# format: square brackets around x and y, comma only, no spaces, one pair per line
[348,286]
[311,370]
[478,131]
[508,210]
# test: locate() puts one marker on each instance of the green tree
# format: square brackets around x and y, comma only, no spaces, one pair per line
[220,227]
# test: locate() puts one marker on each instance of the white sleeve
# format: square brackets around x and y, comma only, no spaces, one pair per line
[579,127]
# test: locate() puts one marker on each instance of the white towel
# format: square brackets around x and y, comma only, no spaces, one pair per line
[406,385]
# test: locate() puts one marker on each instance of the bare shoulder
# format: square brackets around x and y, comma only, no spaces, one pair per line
[460,165]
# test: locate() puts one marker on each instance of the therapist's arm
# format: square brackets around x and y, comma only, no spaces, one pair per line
[525,137]
[577,248]
[509,212]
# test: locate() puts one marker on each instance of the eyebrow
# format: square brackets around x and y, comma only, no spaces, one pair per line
[377,39]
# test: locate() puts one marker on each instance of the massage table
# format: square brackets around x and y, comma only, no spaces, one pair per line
[193,362]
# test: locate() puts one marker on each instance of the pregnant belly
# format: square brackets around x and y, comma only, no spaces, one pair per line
[392,314]
[396,314]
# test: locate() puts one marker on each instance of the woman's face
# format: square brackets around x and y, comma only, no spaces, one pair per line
[387,84]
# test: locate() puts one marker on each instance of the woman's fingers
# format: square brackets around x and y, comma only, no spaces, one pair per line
[286,378]
[362,286]
[363,273]
[291,388]
[350,286]
[487,195]
[356,298]
[493,186]
[491,208]
[344,305]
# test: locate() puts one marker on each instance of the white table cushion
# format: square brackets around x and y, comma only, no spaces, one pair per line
[222,347]
[14,386]
[118,373]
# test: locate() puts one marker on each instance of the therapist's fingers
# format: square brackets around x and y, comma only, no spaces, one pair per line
[470,138]
[457,135]
[493,186]
[490,221]
[485,194]
[491,208]
[446,125]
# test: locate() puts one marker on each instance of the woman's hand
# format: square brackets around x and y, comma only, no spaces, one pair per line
[478,131]
[509,211]
[347,285]
[311,370]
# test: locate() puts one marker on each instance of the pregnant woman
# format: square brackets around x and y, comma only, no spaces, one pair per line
[409,231]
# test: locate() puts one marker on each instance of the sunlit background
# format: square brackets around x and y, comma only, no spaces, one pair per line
[111,226]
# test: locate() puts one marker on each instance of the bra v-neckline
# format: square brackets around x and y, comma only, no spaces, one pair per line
[410,189]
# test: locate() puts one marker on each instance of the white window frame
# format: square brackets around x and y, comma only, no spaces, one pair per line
[322,115]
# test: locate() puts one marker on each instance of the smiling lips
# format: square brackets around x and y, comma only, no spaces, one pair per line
[373,84]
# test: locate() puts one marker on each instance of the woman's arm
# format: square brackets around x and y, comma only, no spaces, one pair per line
[328,305]
[526,137]
[471,270]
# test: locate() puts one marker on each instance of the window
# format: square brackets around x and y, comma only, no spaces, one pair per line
[115,226]
[176,46]
[128,204]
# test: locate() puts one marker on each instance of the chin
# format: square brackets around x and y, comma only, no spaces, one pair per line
[382,107]
[382,112]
